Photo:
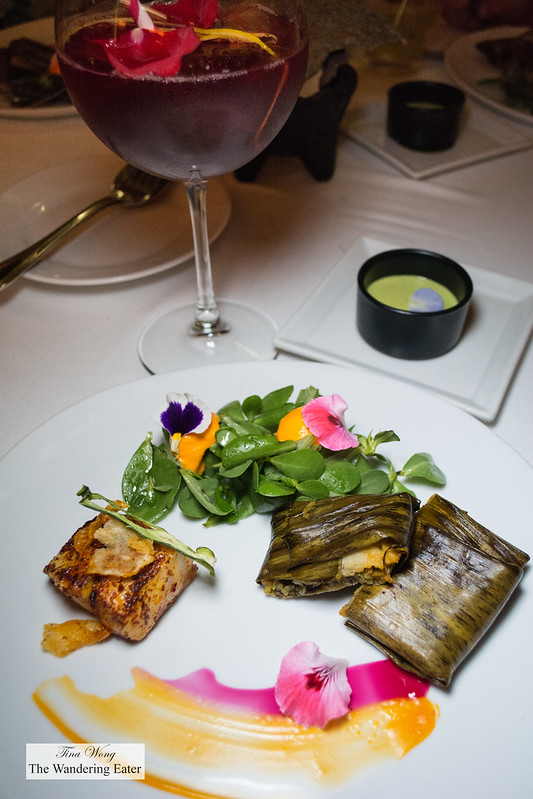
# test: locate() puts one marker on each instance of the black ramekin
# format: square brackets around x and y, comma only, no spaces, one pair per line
[424,115]
[412,335]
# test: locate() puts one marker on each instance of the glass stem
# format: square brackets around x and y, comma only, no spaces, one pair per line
[207,320]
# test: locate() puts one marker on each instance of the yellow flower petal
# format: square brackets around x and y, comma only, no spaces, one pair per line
[232,33]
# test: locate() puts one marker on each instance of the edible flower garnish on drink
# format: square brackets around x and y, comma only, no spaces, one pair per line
[151,50]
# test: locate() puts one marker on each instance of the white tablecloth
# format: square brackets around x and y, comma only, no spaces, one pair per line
[61,344]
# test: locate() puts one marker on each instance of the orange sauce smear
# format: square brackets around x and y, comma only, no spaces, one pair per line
[178,728]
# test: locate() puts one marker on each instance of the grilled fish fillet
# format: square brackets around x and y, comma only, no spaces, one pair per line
[128,606]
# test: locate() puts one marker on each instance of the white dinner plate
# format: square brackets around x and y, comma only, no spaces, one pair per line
[119,244]
[40,30]
[229,625]
[468,67]
[481,136]
[474,375]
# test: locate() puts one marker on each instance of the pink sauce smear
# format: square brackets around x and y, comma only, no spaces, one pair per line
[371,683]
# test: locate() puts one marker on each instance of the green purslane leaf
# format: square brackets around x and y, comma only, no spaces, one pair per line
[274,407]
[226,499]
[384,437]
[362,464]
[233,410]
[234,471]
[263,503]
[369,444]
[276,398]
[305,395]
[421,466]
[253,447]
[374,481]
[202,555]
[313,489]
[223,435]
[275,488]
[251,406]
[341,477]
[387,466]
[204,491]
[151,481]
[189,505]
[271,418]
[245,427]
[302,464]
[397,488]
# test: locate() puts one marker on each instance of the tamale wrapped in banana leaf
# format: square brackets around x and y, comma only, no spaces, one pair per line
[327,544]
[456,581]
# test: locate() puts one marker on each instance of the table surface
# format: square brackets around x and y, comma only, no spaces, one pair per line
[60,344]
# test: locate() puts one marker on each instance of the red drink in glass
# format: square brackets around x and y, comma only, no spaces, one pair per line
[188,90]
[228,101]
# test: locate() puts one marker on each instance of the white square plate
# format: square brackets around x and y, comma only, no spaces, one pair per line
[482,135]
[474,375]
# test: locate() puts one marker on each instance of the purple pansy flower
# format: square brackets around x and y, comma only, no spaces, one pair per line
[185,414]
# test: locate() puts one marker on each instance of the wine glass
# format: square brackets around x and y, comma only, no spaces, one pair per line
[187,90]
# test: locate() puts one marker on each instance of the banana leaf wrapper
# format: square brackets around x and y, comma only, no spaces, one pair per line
[325,545]
[457,580]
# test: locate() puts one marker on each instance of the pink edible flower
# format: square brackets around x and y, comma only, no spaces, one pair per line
[324,416]
[148,52]
[312,688]
[139,13]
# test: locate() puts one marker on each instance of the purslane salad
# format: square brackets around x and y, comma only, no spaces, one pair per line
[252,456]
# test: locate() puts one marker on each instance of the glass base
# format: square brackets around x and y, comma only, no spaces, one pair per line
[166,343]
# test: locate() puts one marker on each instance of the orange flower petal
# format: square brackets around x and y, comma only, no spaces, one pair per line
[193,446]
